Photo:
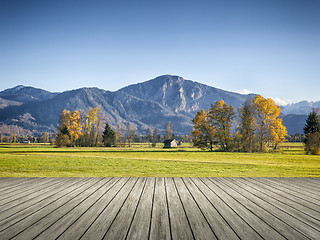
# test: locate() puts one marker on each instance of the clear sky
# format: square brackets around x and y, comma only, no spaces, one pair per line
[271,47]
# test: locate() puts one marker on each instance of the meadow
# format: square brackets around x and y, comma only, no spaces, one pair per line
[140,160]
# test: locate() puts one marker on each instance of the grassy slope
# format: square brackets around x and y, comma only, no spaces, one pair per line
[46,161]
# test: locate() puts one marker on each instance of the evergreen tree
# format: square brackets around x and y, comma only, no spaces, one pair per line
[63,135]
[109,136]
[247,127]
[312,123]
[312,132]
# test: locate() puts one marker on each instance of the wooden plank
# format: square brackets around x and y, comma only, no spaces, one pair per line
[22,203]
[309,183]
[295,184]
[19,185]
[36,223]
[121,224]
[160,208]
[160,226]
[40,184]
[102,223]
[245,199]
[197,220]
[262,228]
[294,201]
[280,210]
[62,191]
[289,191]
[312,180]
[140,225]
[309,219]
[64,222]
[219,225]
[80,225]
[8,183]
[179,224]
[234,220]
[25,201]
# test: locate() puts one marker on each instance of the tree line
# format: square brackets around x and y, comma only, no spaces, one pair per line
[84,130]
[255,127]
[258,128]
[75,129]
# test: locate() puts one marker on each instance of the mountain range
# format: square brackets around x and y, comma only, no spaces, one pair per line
[154,102]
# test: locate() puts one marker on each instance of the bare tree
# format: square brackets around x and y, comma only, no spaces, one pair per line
[131,134]
[168,134]
[149,134]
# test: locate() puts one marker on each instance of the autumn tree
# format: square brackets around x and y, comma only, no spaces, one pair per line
[278,132]
[92,124]
[220,116]
[312,133]
[108,136]
[62,140]
[64,122]
[203,134]
[44,138]
[14,139]
[75,128]
[269,123]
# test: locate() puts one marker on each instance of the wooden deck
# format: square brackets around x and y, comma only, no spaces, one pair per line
[159,208]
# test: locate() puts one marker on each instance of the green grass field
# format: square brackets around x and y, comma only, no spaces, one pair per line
[141,160]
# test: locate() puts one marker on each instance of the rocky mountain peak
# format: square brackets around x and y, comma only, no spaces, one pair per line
[157,101]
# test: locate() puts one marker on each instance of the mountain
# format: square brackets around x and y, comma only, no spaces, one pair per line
[300,108]
[154,102]
[23,94]
[182,96]
[295,115]
[294,123]
[6,103]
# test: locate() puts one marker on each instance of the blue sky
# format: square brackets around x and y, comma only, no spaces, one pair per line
[271,47]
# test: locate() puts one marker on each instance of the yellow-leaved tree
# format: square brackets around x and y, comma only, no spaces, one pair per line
[92,124]
[75,128]
[270,129]
[204,134]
